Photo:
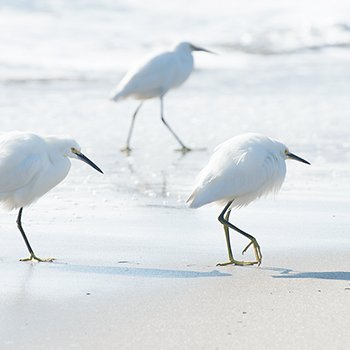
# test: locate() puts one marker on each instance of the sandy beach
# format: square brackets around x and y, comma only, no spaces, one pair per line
[154,283]
[136,268]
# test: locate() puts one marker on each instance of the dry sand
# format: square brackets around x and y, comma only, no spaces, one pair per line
[153,284]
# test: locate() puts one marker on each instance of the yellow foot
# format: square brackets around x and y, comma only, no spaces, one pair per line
[34,258]
[246,248]
[238,263]
[183,150]
[257,251]
[126,150]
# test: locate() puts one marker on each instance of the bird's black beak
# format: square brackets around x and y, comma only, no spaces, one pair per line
[88,161]
[197,48]
[293,156]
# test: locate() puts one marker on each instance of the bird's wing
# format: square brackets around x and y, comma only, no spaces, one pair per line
[150,78]
[22,156]
[231,175]
[17,172]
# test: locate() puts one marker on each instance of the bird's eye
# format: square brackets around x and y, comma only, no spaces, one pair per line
[73,150]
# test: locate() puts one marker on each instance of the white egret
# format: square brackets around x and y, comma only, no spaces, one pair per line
[153,78]
[241,170]
[30,166]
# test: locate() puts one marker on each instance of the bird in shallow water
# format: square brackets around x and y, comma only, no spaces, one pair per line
[154,78]
[241,170]
[30,166]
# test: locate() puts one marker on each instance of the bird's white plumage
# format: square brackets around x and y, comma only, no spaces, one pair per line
[241,169]
[155,76]
[31,165]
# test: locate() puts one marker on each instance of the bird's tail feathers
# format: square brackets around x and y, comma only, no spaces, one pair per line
[116,95]
[190,200]
[194,200]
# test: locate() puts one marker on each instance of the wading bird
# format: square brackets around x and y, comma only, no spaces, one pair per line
[241,170]
[30,166]
[154,78]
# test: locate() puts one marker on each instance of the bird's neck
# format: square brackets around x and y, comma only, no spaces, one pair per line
[185,56]
[184,53]
[58,160]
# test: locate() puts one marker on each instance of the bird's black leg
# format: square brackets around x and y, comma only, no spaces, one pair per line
[127,148]
[183,149]
[31,252]
[19,225]
[227,237]
[224,220]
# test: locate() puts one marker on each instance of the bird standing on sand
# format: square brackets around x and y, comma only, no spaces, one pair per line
[30,166]
[154,78]
[241,170]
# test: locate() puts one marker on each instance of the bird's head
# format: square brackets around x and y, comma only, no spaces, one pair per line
[288,155]
[188,47]
[76,153]
[71,149]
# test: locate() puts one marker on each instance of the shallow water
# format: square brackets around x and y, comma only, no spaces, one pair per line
[126,243]
[56,73]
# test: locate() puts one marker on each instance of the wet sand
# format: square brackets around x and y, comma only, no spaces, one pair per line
[145,284]
[135,268]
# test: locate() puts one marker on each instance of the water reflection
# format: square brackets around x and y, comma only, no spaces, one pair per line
[166,176]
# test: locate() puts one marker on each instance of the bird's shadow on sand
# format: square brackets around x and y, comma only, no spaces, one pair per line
[322,275]
[139,272]
[284,273]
